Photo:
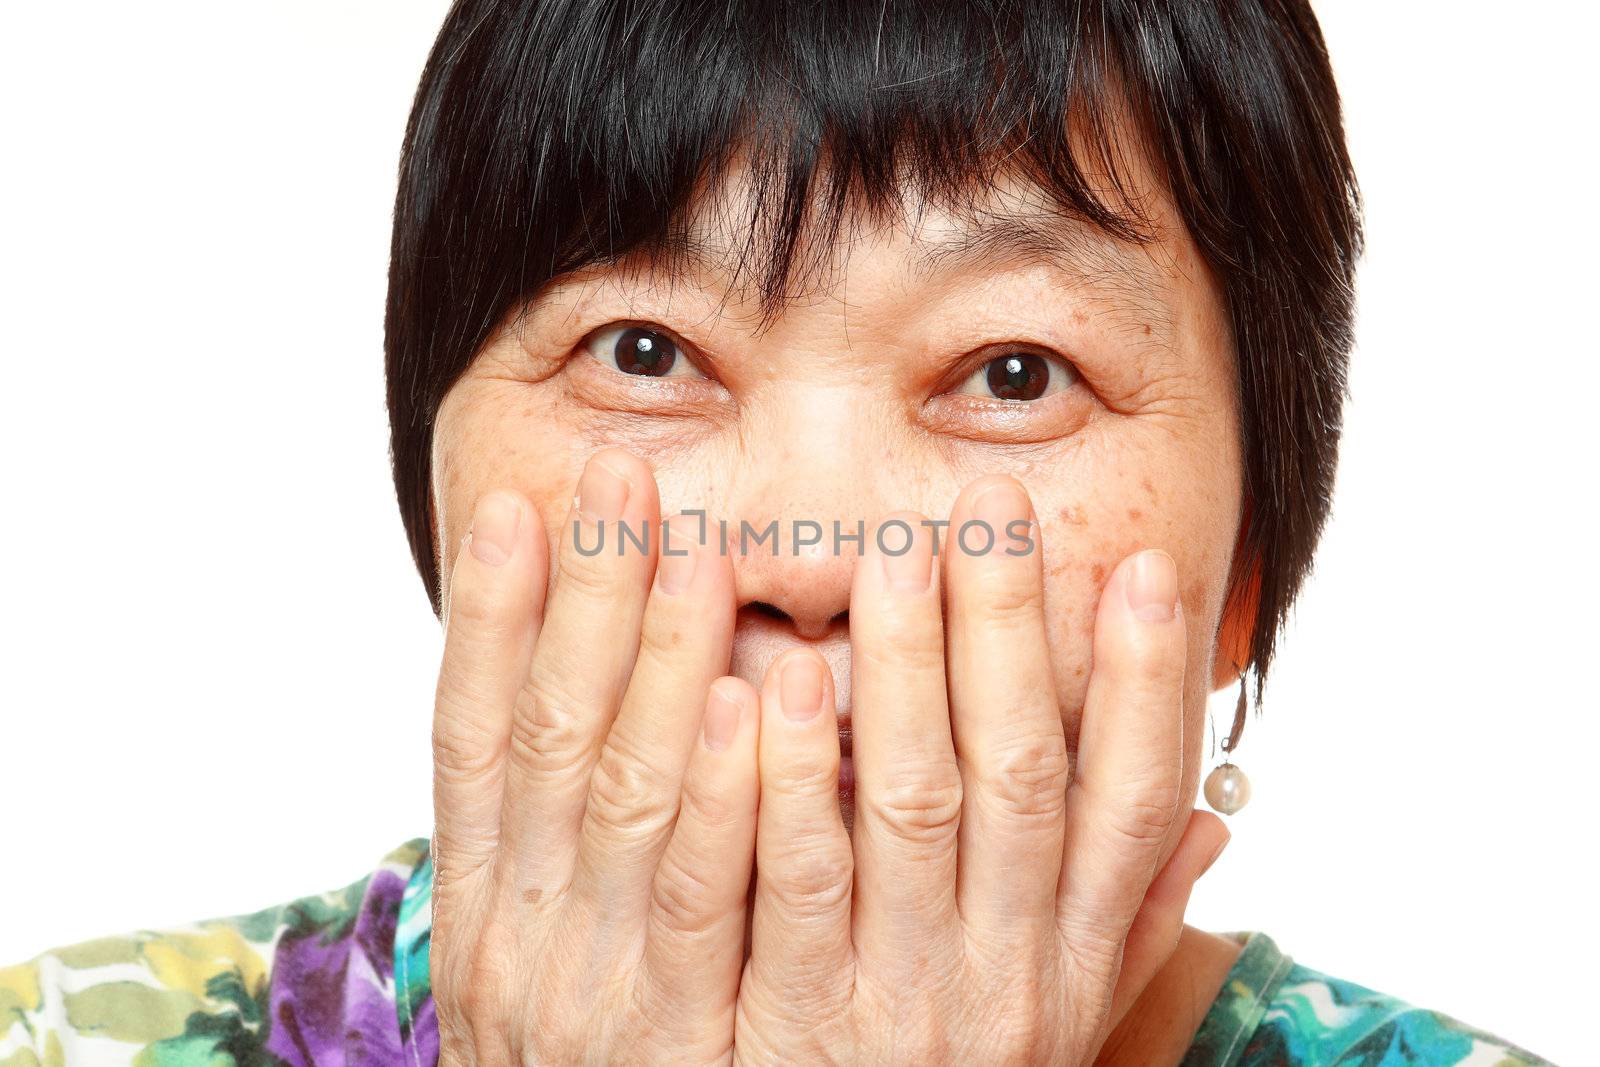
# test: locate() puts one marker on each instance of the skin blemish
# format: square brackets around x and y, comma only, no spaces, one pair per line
[1135,514]
[1072,514]
[531,896]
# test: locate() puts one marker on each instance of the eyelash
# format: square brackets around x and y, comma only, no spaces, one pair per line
[681,357]
[1059,374]
[979,378]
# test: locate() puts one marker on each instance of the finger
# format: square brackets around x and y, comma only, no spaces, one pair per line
[800,937]
[491,622]
[1125,792]
[908,787]
[1153,937]
[633,794]
[695,940]
[581,664]
[1007,722]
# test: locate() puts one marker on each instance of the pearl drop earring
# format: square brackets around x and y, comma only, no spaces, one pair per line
[1227,789]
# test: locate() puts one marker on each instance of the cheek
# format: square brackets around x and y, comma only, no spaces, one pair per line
[1093,522]
[496,435]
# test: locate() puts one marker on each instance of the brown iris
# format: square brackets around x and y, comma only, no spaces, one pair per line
[645,352]
[1019,376]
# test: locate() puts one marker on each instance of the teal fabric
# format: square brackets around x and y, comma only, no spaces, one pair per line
[1272,1011]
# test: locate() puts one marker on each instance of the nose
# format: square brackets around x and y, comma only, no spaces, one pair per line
[801,490]
[804,505]
[801,576]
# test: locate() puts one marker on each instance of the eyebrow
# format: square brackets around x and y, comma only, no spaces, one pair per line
[1014,240]
[989,243]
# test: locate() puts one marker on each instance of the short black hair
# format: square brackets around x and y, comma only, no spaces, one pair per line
[552,135]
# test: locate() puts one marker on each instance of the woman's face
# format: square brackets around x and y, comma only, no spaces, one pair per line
[1101,375]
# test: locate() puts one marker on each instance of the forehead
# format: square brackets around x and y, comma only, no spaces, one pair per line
[731,239]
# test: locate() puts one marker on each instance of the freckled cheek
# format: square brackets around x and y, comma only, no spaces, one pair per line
[1085,540]
[1078,561]
[484,447]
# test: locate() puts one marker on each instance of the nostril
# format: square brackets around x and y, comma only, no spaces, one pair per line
[772,611]
[806,629]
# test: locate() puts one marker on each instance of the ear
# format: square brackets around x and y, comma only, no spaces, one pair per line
[1238,626]
[434,532]
[433,525]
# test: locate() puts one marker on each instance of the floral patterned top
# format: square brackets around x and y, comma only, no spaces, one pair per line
[342,979]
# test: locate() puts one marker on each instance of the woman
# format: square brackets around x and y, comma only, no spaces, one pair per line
[989,365]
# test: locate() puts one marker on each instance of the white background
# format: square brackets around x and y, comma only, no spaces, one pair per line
[218,661]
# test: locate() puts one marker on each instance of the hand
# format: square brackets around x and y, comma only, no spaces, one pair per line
[593,838]
[994,883]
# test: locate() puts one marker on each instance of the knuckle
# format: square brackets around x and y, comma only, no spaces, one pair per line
[547,728]
[483,605]
[917,802]
[557,1033]
[1028,777]
[590,578]
[463,752]
[802,775]
[628,797]
[1024,1033]
[1091,957]
[904,641]
[811,878]
[1143,817]
[1157,659]
[1007,599]
[682,899]
[707,810]
[1090,945]
[997,1033]
[472,984]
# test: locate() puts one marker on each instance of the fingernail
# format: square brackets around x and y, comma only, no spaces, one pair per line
[800,688]
[722,720]
[494,528]
[997,507]
[602,493]
[676,569]
[1152,586]
[909,571]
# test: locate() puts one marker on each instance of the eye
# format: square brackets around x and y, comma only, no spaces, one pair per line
[642,352]
[1019,376]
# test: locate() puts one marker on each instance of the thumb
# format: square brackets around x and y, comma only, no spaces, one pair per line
[1154,933]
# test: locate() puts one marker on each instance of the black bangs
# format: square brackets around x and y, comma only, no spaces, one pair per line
[551,135]
[602,120]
